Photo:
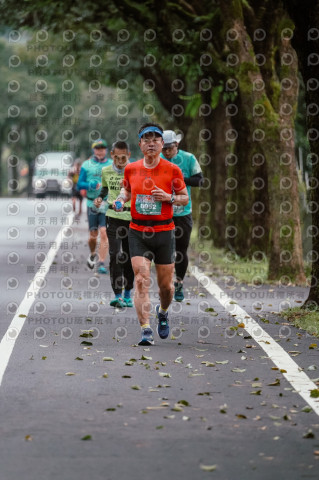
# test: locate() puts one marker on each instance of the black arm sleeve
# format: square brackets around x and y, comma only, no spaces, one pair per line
[104,191]
[194,180]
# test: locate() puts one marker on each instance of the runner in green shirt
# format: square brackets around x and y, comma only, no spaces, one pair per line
[117,226]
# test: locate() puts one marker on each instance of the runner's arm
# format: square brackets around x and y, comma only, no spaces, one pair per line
[103,194]
[124,196]
[195,180]
[83,184]
[181,198]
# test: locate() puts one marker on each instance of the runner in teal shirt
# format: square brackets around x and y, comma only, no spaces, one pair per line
[182,216]
[90,180]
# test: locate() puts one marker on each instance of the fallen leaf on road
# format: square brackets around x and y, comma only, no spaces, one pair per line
[314,393]
[87,437]
[276,383]
[208,364]
[69,374]
[311,368]
[307,409]
[108,359]
[208,468]
[143,357]
[86,335]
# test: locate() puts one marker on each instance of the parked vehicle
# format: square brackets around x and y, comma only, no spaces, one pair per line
[50,174]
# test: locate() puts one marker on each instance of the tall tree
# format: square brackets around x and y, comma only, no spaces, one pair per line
[306,42]
[263,91]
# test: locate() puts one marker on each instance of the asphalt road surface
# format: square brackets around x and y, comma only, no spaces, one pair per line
[227,396]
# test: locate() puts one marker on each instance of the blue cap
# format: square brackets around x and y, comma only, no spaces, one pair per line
[150,129]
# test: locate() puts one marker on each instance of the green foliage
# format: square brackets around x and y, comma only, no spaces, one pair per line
[215,96]
[194,102]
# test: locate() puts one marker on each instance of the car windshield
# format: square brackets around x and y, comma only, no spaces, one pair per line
[53,164]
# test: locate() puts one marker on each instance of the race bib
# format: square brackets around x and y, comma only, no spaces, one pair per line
[147,205]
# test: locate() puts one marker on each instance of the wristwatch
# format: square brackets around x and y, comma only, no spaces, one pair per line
[172,200]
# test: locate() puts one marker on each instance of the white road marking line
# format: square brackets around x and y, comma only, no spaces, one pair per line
[8,341]
[301,383]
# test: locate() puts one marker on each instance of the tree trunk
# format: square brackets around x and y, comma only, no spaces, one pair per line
[306,43]
[275,139]
[218,150]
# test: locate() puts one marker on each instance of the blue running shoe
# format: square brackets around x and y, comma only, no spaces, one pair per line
[162,327]
[102,269]
[179,294]
[117,302]
[147,337]
[128,302]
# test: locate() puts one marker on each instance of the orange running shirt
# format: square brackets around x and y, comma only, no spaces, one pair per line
[140,181]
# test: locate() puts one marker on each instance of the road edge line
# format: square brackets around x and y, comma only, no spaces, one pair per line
[8,340]
[301,383]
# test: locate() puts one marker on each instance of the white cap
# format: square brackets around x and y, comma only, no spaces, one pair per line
[169,137]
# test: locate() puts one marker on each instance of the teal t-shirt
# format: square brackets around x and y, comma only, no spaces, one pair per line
[189,165]
[93,171]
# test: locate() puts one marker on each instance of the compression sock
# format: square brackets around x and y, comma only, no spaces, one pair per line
[127,293]
[162,310]
[145,325]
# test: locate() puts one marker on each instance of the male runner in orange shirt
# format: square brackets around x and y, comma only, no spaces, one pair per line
[153,185]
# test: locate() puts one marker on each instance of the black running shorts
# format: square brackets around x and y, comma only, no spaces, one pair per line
[156,246]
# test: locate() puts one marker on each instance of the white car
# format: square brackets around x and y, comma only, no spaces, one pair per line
[50,174]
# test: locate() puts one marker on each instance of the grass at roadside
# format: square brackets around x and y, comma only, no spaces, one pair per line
[304,318]
[218,262]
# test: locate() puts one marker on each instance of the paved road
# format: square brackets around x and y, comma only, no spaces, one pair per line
[206,403]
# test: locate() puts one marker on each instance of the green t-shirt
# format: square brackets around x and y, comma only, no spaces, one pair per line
[189,165]
[112,179]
